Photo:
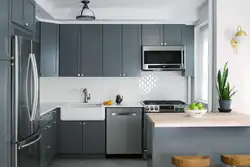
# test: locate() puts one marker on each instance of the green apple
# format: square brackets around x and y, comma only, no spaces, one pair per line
[199,105]
[202,108]
[188,108]
[195,108]
[191,105]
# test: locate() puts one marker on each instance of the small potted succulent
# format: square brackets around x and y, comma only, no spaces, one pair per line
[225,92]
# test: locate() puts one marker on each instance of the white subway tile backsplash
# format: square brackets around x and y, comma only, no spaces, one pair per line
[150,86]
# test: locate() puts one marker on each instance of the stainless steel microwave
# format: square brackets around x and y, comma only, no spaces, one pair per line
[163,58]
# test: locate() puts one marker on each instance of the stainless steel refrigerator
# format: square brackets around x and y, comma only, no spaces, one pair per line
[25,104]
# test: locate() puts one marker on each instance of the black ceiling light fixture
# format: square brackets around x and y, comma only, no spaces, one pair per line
[86,14]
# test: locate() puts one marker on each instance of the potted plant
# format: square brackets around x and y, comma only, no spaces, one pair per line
[224,90]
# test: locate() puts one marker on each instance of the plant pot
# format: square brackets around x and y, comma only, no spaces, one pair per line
[225,105]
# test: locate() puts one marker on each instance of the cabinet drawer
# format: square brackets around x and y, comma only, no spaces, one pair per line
[47,118]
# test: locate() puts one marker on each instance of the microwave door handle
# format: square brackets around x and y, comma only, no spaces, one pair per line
[182,57]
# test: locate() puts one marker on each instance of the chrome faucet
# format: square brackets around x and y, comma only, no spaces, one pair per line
[86,96]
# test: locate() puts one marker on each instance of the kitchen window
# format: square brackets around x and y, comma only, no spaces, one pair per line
[201,64]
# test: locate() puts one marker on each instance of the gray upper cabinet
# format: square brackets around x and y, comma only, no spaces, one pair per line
[4,30]
[49,50]
[112,50]
[17,11]
[23,13]
[69,50]
[29,14]
[131,50]
[70,138]
[91,50]
[152,34]
[94,137]
[188,41]
[172,34]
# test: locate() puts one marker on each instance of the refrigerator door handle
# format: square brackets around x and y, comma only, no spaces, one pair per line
[36,87]
[21,146]
[26,87]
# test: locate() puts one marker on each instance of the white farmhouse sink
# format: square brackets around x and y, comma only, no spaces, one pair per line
[83,112]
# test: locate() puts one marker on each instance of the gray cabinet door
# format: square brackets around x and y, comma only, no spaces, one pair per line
[131,50]
[152,34]
[91,50]
[17,11]
[172,34]
[70,137]
[4,30]
[44,147]
[5,104]
[69,50]
[49,50]
[112,50]
[29,14]
[94,137]
[188,41]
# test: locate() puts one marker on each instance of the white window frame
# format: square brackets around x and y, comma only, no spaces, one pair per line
[198,62]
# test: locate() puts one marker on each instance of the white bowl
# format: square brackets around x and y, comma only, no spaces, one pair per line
[196,113]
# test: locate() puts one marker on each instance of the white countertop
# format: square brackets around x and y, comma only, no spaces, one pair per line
[46,107]
[209,120]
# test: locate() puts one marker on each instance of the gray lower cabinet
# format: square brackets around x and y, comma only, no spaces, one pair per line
[5,100]
[188,41]
[91,50]
[152,34]
[112,50]
[82,138]
[49,50]
[48,144]
[70,136]
[69,50]
[94,137]
[131,50]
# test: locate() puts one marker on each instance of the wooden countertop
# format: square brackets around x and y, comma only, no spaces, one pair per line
[233,119]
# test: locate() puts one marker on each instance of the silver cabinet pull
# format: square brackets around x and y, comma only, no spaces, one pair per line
[80,123]
[78,75]
[82,75]
[83,123]
[123,75]
[49,147]
[120,74]
[165,43]
[161,43]
[27,24]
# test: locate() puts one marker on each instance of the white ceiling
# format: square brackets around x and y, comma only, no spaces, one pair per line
[168,11]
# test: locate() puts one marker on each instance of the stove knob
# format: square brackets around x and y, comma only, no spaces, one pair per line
[156,108]
[147,108]
[151,108]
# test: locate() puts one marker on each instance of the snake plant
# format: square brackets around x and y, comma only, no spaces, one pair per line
[224,90]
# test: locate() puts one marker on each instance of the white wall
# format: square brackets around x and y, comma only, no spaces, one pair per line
[165,86]
[202,14]
[230,14]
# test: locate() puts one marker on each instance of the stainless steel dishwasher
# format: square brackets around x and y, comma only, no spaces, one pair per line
[124,131]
